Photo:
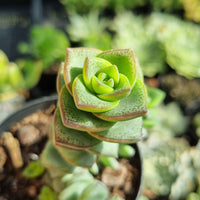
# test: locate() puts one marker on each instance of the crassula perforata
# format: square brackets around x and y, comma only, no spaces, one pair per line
[101,100]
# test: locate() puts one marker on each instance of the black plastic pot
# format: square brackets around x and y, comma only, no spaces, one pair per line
[42,104]
[17,17]
[27,109]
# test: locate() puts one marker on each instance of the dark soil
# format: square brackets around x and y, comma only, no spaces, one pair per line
[13,186]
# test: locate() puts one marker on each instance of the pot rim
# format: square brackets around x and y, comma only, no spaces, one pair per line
[27,109]
[43,103]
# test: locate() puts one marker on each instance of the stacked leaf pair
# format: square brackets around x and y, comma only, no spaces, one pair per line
[102,98]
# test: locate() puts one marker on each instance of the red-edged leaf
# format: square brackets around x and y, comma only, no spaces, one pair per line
[129,107]
[78,119]
[76,157]
[67,137]
[74,62]
[60,81]
[122,90]
[99,87]
[105,149]
[51,159]
[91,66]
[85,100]
[124,60]
[122,132]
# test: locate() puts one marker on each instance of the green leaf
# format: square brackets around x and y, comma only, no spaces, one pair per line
[109,162]
[51,159]
[79,174]
[78,119]
[94,169]
[15,76]
[139,70]
[74,63]
[104,149]
[122,90]
[67,137]
[193,196]
[122,132]
[181,43]
[73,191]
[47,194]
[116,197]
[129,107]
[99,87]
[198,190]
[155,96]
[3,59]
[87,101]
[33,170]
[126,151]
[77,157]
[47,44]
[60,82]
[124,60]
[32,71]
[3,67]
[91,66]
[95,191]
[112,72]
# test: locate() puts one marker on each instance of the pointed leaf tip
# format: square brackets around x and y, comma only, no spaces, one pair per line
[74,62]
[71,138]
[78,119]
[134,105]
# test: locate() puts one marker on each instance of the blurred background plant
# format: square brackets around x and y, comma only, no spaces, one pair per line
[11,77]
[180,42]
[192,10]
[16,79]
[47,44]
[164,35]
[130,32]
[89,30]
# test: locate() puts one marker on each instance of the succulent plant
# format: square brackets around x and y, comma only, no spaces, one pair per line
[102,91]
[131,32]
[46,43]
[11,77]
[194,195]
[180,42]
[192,10]
[167,161]
[102,98]
[90,30]
[17,76]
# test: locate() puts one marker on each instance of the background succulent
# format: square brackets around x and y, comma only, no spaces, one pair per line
[192,10]
[90,30]
[131,32]
[46,43]
[179,40]
[167,162]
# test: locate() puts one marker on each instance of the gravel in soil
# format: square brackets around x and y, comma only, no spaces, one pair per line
[32,133]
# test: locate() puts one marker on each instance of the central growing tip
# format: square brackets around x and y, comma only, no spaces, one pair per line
[105,80]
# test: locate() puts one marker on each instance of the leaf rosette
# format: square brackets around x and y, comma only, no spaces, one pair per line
[102,98]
